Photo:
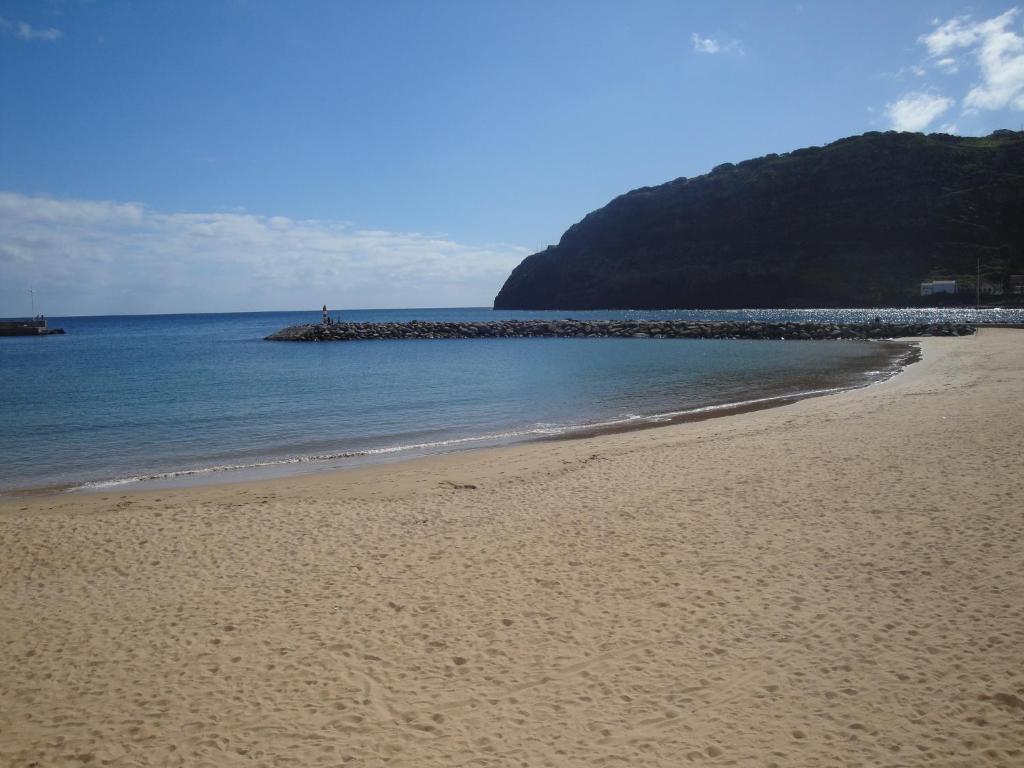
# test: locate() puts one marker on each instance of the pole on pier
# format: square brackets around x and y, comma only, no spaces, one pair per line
[32,296]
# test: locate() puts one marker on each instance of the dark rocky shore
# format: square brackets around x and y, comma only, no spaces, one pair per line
[569,328]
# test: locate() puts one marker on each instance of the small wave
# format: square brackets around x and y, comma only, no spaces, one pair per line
[95,484]
[747,403]
[495,437]
[540,429]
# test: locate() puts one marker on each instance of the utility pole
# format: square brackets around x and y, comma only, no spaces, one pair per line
[977,286]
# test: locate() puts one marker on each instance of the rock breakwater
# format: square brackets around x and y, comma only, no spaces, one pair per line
[569,328]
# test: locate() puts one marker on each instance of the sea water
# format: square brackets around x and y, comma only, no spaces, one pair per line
[128,399]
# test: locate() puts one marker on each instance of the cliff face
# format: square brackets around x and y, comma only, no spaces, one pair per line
[859,222]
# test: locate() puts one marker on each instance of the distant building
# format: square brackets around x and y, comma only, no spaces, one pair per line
[938,286]
[1017,284]
[988,288]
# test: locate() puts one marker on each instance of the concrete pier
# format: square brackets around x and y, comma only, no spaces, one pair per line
[29,326]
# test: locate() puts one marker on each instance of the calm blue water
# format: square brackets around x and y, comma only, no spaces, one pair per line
[141,396]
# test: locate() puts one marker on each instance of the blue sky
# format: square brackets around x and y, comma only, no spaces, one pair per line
[231,155]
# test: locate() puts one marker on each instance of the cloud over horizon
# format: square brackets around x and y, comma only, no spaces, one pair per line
[105,257]
[916,111]
[991,49]
[997,50]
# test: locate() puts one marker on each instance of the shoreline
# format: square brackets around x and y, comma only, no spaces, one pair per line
[903,352]
[911,354]
[834,582]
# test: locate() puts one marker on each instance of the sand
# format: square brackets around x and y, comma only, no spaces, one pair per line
[833,582]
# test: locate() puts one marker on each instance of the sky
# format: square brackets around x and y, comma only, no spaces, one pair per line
[242,155]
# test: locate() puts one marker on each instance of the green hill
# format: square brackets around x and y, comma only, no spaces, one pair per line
[859,222]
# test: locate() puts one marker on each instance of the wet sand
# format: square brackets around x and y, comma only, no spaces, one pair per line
[833,582]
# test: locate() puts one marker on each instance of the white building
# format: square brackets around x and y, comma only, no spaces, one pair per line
[938,286]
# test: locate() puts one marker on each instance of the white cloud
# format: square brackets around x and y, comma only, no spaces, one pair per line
[97,256]
[997,49]
[955,33]
[27,32]
[705,44]
[916,111]
[711,45]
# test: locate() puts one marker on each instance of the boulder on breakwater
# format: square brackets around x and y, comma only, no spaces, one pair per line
[569,328]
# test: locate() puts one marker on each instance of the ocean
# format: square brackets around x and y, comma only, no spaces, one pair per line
[168,399]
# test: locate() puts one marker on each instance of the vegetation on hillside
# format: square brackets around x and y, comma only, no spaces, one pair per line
[859,222]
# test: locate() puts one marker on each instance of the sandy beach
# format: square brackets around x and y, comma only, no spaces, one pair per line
[834,582]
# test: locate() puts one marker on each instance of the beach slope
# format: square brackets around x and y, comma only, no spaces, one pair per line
[833,582]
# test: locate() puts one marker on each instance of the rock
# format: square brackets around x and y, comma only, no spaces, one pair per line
[605,329]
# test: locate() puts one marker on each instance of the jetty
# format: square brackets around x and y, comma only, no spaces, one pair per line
[637,329]
[27,326]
